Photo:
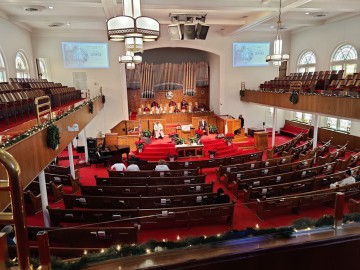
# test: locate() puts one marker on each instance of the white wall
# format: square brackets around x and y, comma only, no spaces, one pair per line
[14,39]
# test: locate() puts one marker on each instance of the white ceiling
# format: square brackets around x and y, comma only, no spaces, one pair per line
[228,17]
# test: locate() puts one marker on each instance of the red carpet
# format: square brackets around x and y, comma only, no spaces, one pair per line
[244,216]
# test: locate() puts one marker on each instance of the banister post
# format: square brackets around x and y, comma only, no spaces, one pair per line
[339,210]
[44,250]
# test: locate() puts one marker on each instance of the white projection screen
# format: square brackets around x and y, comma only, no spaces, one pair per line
[251,54]
[85,55]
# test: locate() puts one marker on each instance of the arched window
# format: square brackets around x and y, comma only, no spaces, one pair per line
[345,58]
[306,62]
[2,69]
[22,67]
[43,68]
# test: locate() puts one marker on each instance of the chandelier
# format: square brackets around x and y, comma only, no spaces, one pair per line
[277,57]
[132,29]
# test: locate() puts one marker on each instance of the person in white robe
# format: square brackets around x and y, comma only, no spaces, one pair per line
[158,130]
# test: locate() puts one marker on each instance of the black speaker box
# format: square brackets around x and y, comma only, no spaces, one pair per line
[201,31]
[189,31]
[80,149]
[91,143]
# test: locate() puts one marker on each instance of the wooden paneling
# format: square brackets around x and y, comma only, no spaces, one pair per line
[176,118]
[135,101]
[128,140]
[328,105]
[32,153]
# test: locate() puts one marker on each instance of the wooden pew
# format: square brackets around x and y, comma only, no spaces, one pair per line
[87,237]
[278,149]
[306,185]
[55,169]
[151,181]
[66,180]
[257,156]
[332,156]
[105,202]
[300,149]
[282,178]
[233,176]
[150,218]
[354,206]
[271,206]
[159,190]
[349,161]
[186,172]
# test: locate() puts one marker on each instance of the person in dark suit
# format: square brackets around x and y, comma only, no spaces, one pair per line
[203,126]
[221,197]
[242,121]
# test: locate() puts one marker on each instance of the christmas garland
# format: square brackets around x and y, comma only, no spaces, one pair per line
[53,137]
[39,128]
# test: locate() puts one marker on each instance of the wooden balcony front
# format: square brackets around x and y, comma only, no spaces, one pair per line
[345,107]
[32,152]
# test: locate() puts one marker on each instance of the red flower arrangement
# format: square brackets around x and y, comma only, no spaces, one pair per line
[229,136]
[212,151]
[172,103]
[172,155]
[154,104]
[146,109]
[176,110]
[140,144]
[199,132]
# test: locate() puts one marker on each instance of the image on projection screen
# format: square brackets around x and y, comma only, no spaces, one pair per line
[250,54]
[85,55]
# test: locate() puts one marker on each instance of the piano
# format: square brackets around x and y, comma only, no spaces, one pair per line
[114,152]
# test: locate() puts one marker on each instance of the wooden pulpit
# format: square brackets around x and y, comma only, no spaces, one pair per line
[261,140]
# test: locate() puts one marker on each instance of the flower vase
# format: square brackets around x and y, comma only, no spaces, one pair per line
[211,156]
[172,159]
[140,150]
[228,143]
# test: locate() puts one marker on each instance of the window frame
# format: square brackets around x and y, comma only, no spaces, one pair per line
[338,124]
[309,66]
[22,72]
[344,63]
[3,73]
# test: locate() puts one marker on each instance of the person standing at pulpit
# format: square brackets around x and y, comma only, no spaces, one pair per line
[242,121]
[158,130]
[203,126]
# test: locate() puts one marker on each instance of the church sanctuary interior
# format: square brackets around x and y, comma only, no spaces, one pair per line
[149,134]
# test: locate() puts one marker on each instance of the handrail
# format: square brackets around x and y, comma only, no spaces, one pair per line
[18,209]
[46,104]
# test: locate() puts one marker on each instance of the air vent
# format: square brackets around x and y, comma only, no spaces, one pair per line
[34,8]
[56,24]
[318,14]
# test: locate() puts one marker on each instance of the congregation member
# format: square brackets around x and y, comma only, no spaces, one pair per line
[133,167]
[133,159]
[162,166]
[10,235]
[221,197]
[158,130]
[347,181]
[118,167]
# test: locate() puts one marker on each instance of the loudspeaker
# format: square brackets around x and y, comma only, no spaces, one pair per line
[80,149]
[201,31]
[174,32]
[189,31]
[91,143]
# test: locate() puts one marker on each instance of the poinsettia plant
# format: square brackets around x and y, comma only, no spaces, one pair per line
[172,155]
[212,151]
[173,135]
[172,103]
[229,137]
[140,144]
[199,133]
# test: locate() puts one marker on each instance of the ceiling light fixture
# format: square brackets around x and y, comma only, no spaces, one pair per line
[184,28]
[132,28]
[277,57]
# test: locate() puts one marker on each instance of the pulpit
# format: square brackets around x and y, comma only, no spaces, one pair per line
[261,140]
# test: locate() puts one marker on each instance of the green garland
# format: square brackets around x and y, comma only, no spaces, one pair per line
[294,97]
[39,128]
[53,137]
[91,106]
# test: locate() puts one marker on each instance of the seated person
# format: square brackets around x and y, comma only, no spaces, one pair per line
[133,159]
[221,197]
[133,167]
[346,181]
[118,167]
[158,130]
[162,166]
[10,236]
[203,126]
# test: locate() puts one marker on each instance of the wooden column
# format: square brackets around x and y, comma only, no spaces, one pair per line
[339,210]
[316,129]
[44,250]
[274,128]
